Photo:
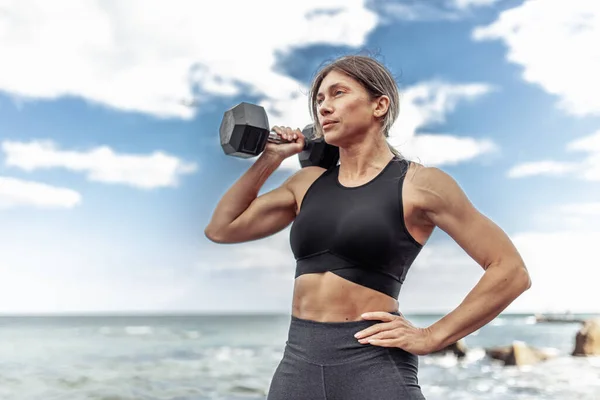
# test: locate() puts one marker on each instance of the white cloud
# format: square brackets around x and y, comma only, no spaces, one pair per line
[28,287]
[31,290]
[556,43]
[17,193]
[131,60]
[581,217]
[581,209]
[426,105]
[418,10]
[422,106]
[272,254]
[127,54]
[55,268]
[101,164]
[553,168]
[438,150]
[104,270]
[587,169]
[589,143]
[560,262]
[464,4]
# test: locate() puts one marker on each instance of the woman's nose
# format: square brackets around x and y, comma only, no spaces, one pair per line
[324,109]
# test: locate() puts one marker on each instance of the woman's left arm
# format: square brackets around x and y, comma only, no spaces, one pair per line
[445,205]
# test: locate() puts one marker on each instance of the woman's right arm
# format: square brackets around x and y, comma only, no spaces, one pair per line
[241,216]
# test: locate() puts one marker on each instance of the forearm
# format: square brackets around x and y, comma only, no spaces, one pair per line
[499,286]
[243,192]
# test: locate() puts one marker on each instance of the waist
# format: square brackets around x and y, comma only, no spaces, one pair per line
[330,343]
[329,297]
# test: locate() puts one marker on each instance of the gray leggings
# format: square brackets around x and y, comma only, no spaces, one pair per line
[323,361]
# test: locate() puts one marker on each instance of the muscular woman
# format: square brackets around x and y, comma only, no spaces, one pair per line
[356,229]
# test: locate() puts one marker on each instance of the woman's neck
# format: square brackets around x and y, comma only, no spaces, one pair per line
[364,159]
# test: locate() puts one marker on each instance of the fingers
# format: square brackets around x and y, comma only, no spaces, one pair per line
[383,342]
[384,335]
[287,133]
[379,315]
[374,329]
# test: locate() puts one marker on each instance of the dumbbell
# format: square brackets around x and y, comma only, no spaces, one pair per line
[245,131]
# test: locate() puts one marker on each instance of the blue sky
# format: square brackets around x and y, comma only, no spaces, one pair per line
[108,177]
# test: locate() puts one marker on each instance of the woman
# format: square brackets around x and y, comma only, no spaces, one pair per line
[357,228]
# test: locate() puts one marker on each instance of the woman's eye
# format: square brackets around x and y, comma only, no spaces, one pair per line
[318,102]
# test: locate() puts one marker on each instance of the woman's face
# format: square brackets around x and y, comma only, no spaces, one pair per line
[344,109]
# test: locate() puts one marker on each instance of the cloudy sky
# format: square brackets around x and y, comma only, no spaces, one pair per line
[110,162]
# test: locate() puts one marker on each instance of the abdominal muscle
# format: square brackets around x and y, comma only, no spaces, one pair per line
[326,297]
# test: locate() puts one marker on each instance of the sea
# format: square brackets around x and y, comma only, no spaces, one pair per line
[233,357]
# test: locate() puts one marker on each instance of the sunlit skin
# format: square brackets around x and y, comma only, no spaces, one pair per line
[363,153]
[351,120]
[430,198]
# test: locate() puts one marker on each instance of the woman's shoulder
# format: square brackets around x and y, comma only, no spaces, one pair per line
[302,179]
[423,176]
[307,175]
[431,187]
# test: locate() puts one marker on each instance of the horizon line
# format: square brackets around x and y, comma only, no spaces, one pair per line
[160,313]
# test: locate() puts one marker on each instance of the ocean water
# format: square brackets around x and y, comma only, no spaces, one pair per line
[234,357]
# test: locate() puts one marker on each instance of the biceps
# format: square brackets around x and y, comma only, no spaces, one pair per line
[266,215]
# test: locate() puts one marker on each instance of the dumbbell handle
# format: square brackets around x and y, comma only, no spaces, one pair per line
[275,138]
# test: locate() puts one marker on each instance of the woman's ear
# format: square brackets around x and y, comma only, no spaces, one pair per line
[381,106]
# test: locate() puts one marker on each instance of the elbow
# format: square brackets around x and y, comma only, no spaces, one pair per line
[220,236]
[523,278]
[528,282]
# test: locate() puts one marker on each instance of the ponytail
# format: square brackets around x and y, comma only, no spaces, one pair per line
[393,150]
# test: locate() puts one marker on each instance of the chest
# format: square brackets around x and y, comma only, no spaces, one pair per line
[365,223]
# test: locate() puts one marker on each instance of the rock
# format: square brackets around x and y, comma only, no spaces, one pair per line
[518,354]
[458,348]
[587,340]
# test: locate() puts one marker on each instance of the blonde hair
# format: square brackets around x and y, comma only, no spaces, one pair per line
[373,76]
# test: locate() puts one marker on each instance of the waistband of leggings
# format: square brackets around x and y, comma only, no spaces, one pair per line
[328,343]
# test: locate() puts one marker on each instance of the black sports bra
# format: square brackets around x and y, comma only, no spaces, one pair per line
[357,233]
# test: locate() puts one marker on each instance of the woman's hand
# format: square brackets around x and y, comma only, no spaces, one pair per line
[294,146]
[396,331]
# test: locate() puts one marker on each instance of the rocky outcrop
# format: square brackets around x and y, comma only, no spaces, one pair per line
[459,349]
[518,354]
[587,340]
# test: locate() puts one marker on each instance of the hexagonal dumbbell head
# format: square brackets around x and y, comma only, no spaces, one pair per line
[244,130]
[318,152]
